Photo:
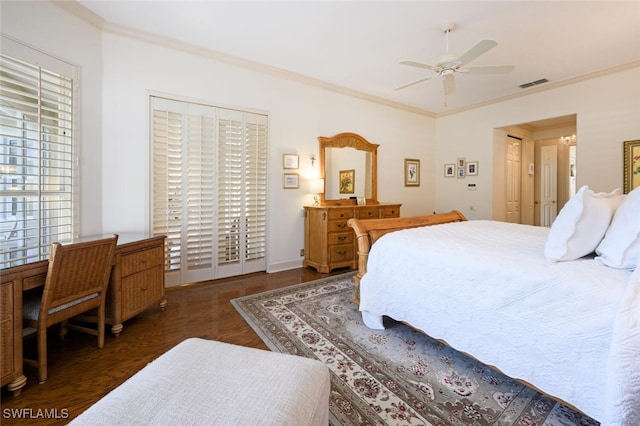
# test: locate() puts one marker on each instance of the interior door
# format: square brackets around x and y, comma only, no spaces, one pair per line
[548,184]
[513,171]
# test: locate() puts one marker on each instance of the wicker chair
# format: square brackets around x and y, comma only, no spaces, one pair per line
[77,281]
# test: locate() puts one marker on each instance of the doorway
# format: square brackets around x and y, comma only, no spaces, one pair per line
[537,170]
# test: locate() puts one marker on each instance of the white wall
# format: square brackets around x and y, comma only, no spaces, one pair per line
[608,113]
[50,29]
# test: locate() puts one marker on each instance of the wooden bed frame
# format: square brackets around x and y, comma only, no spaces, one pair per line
[368,231]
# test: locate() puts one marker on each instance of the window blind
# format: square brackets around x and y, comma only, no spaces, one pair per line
[37,202]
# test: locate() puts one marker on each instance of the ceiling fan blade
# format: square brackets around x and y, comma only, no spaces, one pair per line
[477,50]
[419,65]
[449,83]
[489,69]
[413,82]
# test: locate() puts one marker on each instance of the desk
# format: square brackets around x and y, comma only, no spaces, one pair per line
[136,283]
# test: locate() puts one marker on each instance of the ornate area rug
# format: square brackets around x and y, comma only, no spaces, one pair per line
[396,376]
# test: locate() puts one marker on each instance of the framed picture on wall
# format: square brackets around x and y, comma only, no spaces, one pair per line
[290,161]
[291,181]
[449,170]
[631,160]
[472,168]
[411,172]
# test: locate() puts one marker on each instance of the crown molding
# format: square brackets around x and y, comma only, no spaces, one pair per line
[545,87]
[81,12]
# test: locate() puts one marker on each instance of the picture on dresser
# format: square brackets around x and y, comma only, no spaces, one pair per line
[347,181]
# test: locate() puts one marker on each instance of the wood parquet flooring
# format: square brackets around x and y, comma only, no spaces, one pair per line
[80,374]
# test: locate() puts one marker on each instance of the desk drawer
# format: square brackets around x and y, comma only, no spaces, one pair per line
[141,260]
[141,289]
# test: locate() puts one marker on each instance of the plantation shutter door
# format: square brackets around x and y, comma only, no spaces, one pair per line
[209,189]
[255,193]
[198,234]
[230,223]
[166,205]
[37,184]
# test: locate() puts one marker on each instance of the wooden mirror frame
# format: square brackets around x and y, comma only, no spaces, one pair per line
[350,140]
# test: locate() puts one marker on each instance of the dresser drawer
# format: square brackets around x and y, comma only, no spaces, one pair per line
[340,238]
[338,226]
[141,260]
[141,289]
[341,253]
[393,211]
[340,214]
[369,213]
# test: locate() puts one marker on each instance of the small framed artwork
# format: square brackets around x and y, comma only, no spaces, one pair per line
[449,170]
[347,180]
[460,172]
[461,162]
[290,161]
[361,201]
[291,181]
[472,168]
[631,161]
[411,172]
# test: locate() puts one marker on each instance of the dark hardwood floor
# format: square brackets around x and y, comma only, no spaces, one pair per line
[80,374]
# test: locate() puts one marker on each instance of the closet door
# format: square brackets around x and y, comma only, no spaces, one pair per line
[209,189]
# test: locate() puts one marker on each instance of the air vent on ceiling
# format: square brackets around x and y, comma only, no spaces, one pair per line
[534,83]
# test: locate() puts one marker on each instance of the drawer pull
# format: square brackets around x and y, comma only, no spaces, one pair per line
[342,252]
[342,225]
[341,214]
[342,237]
[369,213]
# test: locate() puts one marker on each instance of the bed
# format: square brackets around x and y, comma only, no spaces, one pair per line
[571,329]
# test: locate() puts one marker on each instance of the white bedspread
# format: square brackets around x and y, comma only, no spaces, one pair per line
[486,288]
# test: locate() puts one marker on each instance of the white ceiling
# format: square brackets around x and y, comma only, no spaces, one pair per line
[357,45]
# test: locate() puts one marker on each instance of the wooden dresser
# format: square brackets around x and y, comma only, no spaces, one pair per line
[329,242]
[137,283]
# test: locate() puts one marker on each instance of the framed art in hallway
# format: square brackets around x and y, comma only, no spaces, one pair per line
[411,172]
[291,181]
[631,165]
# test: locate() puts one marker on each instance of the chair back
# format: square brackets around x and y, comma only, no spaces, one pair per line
[77,271]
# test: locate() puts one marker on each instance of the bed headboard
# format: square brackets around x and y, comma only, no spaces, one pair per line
[368,231]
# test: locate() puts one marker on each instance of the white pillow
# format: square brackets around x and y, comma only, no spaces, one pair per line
[620,247]
[581,224]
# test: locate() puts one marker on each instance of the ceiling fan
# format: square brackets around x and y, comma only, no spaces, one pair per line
[450,64]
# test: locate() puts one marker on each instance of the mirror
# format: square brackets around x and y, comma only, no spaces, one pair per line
[349,167]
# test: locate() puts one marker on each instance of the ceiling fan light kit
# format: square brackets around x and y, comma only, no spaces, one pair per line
[450,64]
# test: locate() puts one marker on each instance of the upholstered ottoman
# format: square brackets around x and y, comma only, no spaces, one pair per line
[204,382]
